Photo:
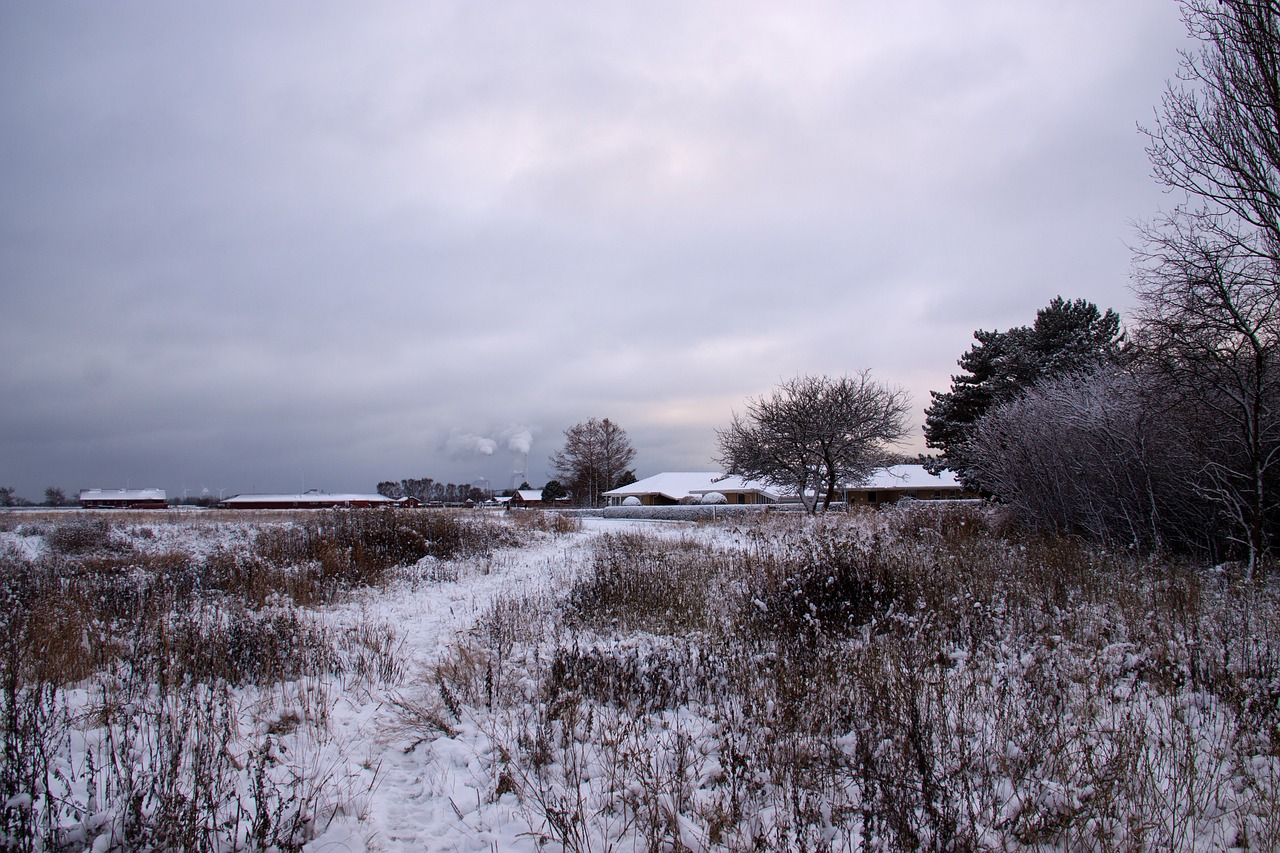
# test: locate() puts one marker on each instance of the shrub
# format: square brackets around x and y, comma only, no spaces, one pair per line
[81,534]
[158,759]
[556,523]
[637,582]
[830,586]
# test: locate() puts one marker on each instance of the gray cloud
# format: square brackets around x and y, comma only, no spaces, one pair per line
[314,241]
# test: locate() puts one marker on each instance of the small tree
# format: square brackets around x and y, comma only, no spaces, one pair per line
[54,496]
[553,491]
[6,496]
[595,455]
[815,434]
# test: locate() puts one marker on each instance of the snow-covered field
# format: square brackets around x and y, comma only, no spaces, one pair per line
[894,680]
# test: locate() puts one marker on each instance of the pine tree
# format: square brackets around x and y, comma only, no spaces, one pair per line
[1067,338]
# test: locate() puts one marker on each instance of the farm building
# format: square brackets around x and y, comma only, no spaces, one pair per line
[123,498]
[525,498]
[314,500]
[532,498]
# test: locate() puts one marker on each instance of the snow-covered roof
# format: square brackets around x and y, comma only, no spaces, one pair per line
[309,497]
[122,494]
[909,477]
[529,495]
[672,484]
[675,485]
[732,483]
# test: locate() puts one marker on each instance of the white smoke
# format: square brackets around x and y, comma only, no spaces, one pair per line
[462,443]
[520,441]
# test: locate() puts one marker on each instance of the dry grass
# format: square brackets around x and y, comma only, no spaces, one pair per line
[897,681]
[167,646]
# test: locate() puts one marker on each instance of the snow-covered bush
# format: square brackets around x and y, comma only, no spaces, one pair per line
[80,534]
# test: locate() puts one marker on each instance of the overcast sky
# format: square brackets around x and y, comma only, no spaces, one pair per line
[276,246]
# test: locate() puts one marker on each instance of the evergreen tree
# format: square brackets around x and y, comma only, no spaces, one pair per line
[553,491]
[1067,338]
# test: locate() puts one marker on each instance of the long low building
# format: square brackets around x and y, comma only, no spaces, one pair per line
[887,485]
[123,498]
[314,500]
[686,486]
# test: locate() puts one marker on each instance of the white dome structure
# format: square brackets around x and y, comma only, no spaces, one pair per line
[631,501]
[714,498]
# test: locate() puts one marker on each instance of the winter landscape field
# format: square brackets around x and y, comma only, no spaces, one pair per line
[914,678]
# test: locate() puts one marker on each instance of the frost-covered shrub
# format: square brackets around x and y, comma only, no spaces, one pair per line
[827,583]
[236,646]
[81,534]
[42,624]
[162,652]
[906,679]
[354,548]
[640,677]
[542,521]
[637,582]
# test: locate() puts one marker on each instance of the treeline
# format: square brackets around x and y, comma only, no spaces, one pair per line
[53,497]
[1167,438]
[1170,436]
[428,490]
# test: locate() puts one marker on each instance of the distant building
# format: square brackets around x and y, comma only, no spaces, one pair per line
[675,487]
[313,500]
[123,498]
[526,499]
[887,485]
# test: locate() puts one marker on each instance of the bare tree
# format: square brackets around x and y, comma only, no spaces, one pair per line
[815,434]
[1209,270]
[595,456]
[1210,328]
[1217,137]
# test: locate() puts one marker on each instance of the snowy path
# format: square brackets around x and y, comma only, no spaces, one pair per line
[430,795]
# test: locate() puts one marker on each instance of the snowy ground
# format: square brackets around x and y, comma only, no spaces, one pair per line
[433,794]
[390,785]
[994,695]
